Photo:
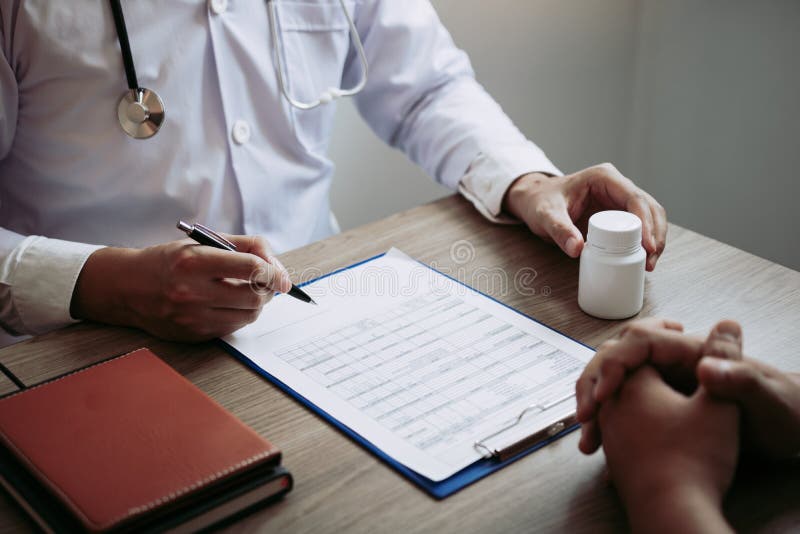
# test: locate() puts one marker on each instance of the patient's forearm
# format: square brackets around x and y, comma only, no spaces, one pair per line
[682,509]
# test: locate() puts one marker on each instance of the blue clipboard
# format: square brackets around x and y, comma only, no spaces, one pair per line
[439,490]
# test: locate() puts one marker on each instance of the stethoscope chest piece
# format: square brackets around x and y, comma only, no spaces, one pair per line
[140,112]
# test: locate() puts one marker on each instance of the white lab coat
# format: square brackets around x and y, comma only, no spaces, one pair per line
[71,180]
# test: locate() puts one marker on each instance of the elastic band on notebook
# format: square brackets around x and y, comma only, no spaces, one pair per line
[11,376]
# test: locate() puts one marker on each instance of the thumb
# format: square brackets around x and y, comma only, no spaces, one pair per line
[732,380]
[559,226]
[724,341]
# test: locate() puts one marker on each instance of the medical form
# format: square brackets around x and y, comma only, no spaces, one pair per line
[416,363]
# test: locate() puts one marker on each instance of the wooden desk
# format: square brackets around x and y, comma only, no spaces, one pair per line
[342,488]
[6,385]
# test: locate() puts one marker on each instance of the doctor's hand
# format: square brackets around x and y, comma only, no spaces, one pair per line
[670,456]
[555,207]
[180,290]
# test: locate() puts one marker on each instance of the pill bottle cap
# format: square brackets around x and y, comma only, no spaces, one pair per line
[615,231]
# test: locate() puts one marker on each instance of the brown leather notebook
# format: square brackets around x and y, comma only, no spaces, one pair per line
[129,444]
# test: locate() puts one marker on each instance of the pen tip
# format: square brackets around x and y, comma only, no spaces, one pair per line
[312,302]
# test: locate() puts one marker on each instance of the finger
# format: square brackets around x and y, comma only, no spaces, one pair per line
[260,247]
[644,387]
[768,398]
[252,244]
[668,350]
[237,295]
[584,386]
[278,263]
[637,204]
[202,323]
[653,322]
[587,382]
[741,381]
[724,341]
[556,222]
[660,228]
[219,264]
[208,262]
[644,384]
[590,437]
[614,190]
[225,293]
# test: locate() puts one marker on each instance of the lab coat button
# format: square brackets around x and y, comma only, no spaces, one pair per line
[218,6]
[241,132]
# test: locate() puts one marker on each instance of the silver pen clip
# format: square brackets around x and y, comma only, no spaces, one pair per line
[215,235]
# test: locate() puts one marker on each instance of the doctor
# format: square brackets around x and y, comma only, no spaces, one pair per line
[119,118]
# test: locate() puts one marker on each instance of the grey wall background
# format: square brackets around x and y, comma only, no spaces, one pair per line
[696,100]
[716,122]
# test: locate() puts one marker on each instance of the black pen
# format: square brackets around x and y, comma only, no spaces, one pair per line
[207,236]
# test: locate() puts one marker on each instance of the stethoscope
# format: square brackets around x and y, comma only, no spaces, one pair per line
[141,111]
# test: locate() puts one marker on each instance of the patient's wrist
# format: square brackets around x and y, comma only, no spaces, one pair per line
[680,507]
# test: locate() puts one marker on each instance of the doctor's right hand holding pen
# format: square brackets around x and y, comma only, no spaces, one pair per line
[669,410]
[181,290]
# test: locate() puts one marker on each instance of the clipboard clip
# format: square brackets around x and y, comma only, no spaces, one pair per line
[518,446]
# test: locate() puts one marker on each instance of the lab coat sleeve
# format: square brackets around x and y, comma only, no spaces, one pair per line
[37,279]
[422,97]
[37,275]
[9,97]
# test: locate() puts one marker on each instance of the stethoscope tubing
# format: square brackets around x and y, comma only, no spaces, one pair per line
[332,93]
[124,44]
[141,112]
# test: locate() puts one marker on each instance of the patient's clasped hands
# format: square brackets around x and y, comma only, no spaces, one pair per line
[669,410]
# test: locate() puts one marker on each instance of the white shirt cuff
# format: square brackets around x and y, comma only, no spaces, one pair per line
[40,274]
[491,174]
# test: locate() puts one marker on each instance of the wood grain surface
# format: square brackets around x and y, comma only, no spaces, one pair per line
[6,385]
[342,488]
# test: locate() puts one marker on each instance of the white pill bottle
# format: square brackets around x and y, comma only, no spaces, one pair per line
[611,280]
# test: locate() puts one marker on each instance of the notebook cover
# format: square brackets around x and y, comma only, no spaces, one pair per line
[51,515]
[438,490]
[126,437]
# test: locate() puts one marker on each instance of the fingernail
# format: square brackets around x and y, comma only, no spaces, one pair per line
[729,330]
[286,282]
[720,368]
[572,246]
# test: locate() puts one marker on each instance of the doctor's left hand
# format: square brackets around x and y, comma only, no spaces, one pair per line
[554,207]
[180,290]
